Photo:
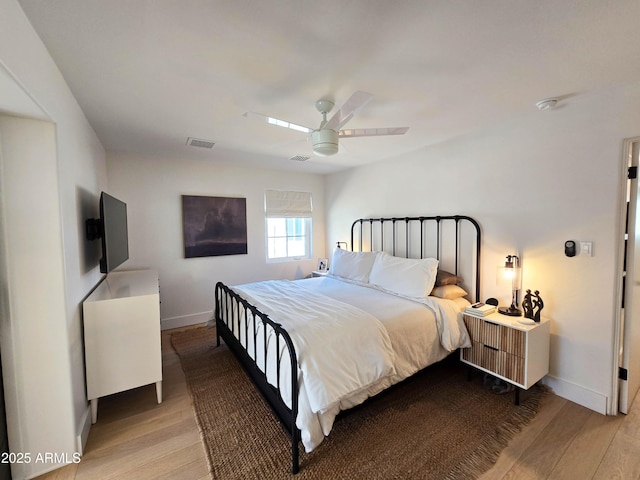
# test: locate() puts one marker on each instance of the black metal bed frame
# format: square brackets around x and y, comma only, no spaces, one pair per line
[237,320]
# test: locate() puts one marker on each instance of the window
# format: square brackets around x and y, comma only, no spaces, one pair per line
[288,238]
[288,225]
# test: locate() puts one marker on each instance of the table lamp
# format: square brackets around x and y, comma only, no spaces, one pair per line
[511,272]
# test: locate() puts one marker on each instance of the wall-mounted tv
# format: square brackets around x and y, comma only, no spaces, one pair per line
[111,228]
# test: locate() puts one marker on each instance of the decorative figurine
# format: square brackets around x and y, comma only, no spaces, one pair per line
[538,305]
[527,305]
[532,304]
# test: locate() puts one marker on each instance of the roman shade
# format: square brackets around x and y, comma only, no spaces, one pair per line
[279,203]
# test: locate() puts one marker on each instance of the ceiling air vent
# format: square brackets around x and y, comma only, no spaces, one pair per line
[300,158]
[196,142]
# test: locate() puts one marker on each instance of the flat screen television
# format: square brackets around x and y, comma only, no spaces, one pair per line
[111,228]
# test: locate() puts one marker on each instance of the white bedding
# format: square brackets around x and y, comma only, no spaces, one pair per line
[387,338]
[332,366]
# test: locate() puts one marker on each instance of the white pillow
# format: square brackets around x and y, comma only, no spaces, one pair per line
[404,276]
[352,265]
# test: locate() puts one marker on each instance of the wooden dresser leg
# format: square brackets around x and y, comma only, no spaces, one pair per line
[517,399]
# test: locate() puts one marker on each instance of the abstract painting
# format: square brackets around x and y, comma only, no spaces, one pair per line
[214,226]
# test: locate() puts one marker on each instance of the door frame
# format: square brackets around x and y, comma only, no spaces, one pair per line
[619,337]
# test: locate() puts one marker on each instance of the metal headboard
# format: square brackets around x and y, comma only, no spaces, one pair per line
[457,242]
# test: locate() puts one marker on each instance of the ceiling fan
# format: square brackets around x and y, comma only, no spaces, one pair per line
[325,138]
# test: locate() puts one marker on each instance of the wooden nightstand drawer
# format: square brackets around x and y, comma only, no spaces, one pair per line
[497,361]
[512,351]
[477,355]
[510,366]
[495,335]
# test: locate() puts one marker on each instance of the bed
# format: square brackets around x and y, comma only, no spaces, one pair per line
[388,308]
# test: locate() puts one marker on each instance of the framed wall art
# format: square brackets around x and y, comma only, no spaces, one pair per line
[214,226]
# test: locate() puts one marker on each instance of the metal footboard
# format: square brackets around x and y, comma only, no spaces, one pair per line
[248,333]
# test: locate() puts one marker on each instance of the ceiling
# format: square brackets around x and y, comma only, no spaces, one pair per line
[150,73]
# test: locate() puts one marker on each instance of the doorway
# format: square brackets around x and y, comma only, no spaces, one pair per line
[628,324]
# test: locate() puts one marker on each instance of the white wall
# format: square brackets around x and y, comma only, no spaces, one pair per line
[152,188]
[532,184]
[65,180]
[34,303]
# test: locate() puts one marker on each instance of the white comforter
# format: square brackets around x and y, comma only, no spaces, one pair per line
[352,342]
[332,366]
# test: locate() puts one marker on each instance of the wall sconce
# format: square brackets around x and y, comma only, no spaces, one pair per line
[511,272]
[341,243]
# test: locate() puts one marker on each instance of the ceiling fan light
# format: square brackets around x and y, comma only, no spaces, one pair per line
[325,142]
[324,106]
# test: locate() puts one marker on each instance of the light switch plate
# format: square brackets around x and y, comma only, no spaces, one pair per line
[586,249]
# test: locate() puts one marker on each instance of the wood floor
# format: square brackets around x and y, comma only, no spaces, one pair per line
[135,438]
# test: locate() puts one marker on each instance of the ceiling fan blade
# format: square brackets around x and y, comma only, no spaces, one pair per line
[348,110]
[277,122]
[372,132]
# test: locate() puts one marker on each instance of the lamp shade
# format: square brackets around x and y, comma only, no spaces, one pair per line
[511,275]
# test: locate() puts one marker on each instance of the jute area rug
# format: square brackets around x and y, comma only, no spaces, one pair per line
[435,425]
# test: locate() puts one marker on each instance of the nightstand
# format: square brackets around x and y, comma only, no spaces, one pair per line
[318,273]
[508,349]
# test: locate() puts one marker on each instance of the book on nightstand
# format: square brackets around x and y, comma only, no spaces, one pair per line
[480,309]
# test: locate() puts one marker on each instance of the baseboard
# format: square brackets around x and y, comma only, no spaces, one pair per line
[186,320]
[595,401]
[83,429]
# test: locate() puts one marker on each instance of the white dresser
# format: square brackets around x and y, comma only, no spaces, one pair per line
[122,335]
